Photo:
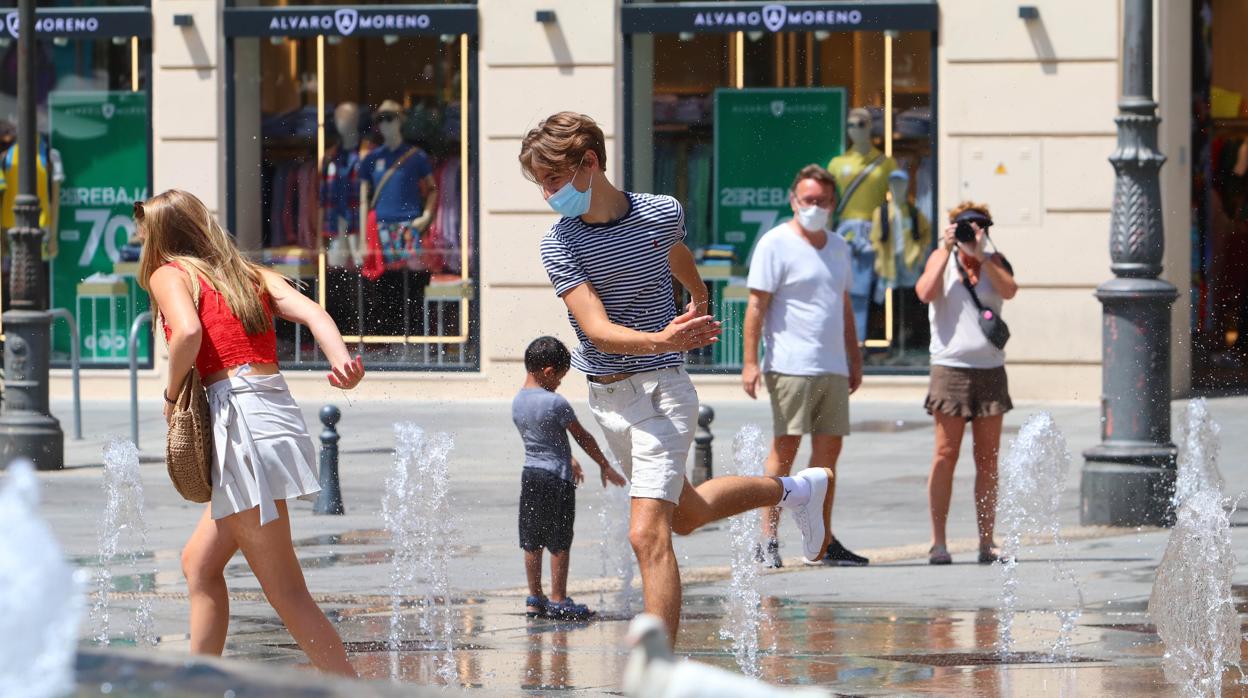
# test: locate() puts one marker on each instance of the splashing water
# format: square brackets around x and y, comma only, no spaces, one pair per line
[614,549]
[417,516]
[122,517]
[1191,604]
[744,616]
[1032,480]
[40,596]
[1198,452]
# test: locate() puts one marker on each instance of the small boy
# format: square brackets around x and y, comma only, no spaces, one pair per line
[548,485]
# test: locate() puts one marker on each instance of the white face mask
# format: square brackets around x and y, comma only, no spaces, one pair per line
[812,218]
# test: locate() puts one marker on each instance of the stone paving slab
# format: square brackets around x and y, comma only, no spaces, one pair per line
[881,509]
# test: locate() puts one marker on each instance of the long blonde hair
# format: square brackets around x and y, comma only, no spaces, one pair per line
[178,227]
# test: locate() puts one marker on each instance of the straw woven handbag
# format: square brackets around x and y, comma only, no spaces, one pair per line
[188,447]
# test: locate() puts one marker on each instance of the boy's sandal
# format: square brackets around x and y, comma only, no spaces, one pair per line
[568,610]
[536,606]
[939,555]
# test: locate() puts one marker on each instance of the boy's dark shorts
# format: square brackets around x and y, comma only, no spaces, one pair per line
[547,511]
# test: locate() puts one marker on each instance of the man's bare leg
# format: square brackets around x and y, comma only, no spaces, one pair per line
[780,462]
[654,520]
[650,532]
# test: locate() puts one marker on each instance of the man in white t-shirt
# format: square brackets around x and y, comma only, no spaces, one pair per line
[799,306]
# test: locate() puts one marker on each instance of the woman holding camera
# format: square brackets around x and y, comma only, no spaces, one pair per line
[965,287]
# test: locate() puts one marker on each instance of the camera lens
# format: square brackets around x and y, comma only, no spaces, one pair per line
[964,232]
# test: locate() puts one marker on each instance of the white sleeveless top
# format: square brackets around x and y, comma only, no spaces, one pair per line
[956,338]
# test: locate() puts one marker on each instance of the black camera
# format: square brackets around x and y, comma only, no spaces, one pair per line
[964,232]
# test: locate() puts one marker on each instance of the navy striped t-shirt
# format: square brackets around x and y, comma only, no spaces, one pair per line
[626,261]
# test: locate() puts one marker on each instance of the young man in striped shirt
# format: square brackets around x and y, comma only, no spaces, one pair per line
[611,258]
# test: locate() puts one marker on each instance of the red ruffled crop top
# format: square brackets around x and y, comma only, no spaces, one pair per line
[225,343]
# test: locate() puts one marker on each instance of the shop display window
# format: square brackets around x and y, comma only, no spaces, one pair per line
[350,176]
[799,87]
[1219,289]
[93,110]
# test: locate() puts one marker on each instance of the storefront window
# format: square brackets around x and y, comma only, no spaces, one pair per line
[1219,291]
[722,120]
[350,177]
[93,163]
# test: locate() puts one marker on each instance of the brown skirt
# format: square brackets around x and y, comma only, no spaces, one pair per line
[968,392]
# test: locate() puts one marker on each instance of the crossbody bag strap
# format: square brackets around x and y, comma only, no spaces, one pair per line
[385,178]
[967,283]
[853,186]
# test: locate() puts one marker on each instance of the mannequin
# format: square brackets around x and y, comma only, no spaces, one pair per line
[408,194]
[339,180]
[901,237]
[398,199]
[49,176]
[859,195]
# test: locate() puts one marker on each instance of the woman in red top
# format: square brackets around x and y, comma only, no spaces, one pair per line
[217,309]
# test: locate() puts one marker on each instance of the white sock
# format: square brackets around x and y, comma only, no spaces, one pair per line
[796,491]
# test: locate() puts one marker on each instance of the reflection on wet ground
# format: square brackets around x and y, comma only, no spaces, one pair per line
[845,648]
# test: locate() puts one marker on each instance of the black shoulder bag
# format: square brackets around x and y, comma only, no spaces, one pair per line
[990,322]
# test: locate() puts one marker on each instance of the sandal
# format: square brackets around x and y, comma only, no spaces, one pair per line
[939,555]
[536,606]
[987,556]
[568,610]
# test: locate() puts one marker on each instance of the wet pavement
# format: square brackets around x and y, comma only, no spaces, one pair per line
[897,627]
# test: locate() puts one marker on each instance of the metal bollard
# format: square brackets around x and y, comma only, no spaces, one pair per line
[702,438]
[330,499]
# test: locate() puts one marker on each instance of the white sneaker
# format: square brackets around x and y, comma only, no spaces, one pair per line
[809,516]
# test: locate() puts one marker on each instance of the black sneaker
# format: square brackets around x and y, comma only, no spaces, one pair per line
[768,554]
[841,556]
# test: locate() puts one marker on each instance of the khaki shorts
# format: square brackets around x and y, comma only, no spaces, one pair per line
[809,404]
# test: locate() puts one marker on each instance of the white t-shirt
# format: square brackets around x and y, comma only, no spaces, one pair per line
[957,339]
[804,329]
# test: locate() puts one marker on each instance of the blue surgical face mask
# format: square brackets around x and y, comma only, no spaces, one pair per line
[569,202]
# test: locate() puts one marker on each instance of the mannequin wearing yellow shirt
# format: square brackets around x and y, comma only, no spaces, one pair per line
[854,221]
[48,180]
[901,237]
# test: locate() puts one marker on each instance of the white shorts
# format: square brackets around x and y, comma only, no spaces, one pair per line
[261,444]
[648,420]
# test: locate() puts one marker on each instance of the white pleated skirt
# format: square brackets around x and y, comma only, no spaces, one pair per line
[261,445]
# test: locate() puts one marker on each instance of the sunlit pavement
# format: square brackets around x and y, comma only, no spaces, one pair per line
[896,627]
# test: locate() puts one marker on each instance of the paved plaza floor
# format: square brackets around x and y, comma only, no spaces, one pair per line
[897,627]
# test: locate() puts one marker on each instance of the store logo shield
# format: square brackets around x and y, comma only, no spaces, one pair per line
[11,23]
[108,109]
[773,17]
[777,108]
[345,19]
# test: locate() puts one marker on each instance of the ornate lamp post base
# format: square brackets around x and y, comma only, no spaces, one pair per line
[26,428]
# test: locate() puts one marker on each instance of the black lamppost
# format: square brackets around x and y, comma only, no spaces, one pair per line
[1128,479]
[26,428]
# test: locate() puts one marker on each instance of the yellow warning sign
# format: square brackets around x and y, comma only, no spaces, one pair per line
[1000,168]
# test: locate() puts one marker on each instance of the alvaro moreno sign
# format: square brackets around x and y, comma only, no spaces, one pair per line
[350,20]
[777,17]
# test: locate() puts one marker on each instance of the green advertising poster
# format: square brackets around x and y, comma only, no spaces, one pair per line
[763,136]
[102,138]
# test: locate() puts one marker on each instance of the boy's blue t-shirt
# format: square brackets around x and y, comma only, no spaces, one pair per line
[542,417]
[403,197]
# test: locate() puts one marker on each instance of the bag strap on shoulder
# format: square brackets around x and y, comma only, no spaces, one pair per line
[385,178]
[848,194]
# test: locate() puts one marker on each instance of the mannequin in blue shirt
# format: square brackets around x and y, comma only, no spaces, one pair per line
[411,194]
